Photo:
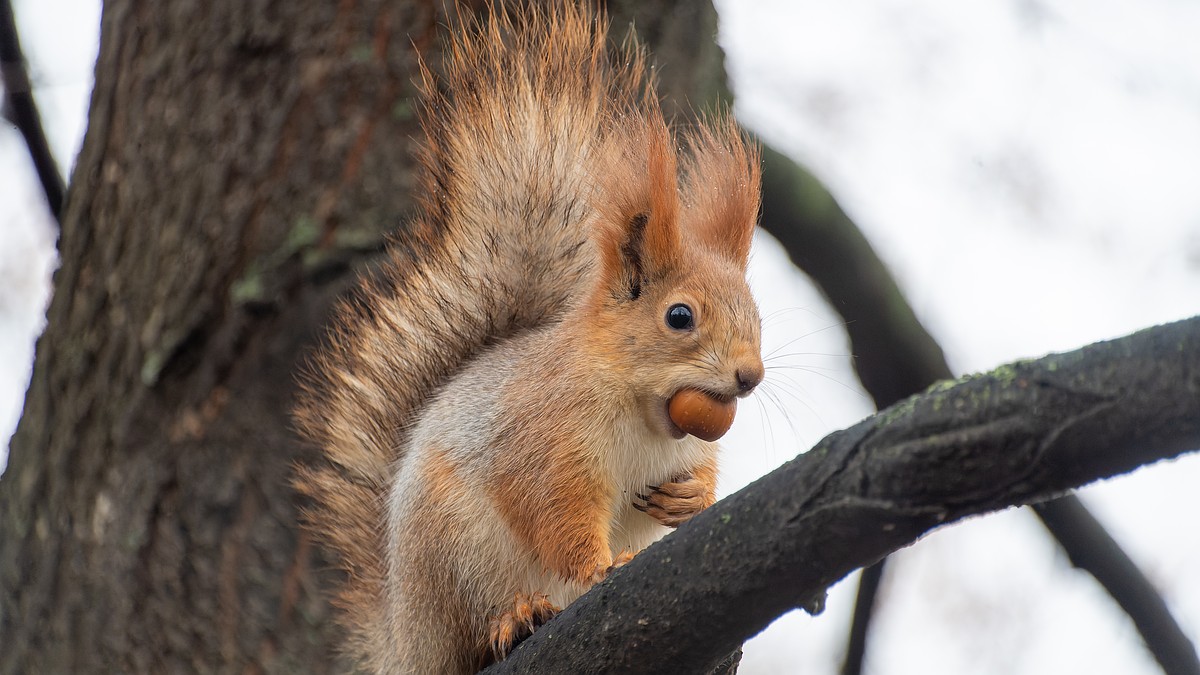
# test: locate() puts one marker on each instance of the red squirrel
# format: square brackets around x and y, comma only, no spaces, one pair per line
[526,395]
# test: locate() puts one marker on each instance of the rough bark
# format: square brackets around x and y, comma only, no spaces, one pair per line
[1021,434]
[241,159]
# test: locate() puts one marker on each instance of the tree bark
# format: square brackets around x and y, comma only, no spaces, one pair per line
[241,160]
[148,522]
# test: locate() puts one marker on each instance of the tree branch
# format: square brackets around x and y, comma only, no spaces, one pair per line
[864,608]
[24,112]
[1021,434]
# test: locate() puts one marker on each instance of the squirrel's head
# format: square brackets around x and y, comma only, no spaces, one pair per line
[673,230]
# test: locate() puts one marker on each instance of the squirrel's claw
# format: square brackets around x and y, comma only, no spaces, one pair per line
[603,570]
[675,502]
[507,629]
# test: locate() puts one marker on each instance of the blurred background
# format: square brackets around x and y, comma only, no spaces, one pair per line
[1030,171]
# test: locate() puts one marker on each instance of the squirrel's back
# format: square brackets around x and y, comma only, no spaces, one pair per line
[514,131]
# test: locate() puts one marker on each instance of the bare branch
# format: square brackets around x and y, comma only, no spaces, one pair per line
[864,609]
[1021,434]
[1091,548]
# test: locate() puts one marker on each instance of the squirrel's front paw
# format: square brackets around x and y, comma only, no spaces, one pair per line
[508,629]
[675,502]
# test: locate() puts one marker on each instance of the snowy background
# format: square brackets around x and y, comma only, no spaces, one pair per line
[1030,169]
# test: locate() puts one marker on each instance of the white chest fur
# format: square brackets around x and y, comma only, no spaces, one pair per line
[637,459]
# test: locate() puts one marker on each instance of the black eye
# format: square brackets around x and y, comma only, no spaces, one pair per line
[679,317]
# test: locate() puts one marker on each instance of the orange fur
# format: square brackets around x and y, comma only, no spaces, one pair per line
[706,475]
[721,188]
[554,501]
[492,404]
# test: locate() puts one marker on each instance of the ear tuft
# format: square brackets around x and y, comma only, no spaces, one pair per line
[722,188]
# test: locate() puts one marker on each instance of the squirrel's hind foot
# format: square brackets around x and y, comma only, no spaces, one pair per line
[508,629]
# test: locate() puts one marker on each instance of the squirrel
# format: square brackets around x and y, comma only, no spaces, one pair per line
[527,393]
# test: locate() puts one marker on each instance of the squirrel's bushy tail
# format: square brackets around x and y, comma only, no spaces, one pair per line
[514,131]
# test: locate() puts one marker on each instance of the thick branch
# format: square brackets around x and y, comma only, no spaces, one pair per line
[1021,434]
[24,112]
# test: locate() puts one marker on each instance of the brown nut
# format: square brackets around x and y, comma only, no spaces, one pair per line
[701,415]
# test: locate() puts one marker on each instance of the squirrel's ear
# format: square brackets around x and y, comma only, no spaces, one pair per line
[638,209]
[723,188]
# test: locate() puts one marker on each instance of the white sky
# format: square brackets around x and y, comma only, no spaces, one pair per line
[1029,170]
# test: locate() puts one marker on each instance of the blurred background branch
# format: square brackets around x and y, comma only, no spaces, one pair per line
[1091,548]
[21,109]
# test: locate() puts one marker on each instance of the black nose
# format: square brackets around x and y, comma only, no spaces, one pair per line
[748,379]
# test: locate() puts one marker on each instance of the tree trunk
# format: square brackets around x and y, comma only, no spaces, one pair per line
[241,160]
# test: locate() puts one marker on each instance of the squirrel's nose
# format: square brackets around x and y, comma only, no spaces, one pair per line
[748,378]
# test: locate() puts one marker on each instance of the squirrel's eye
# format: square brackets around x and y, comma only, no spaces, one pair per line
[679,317]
